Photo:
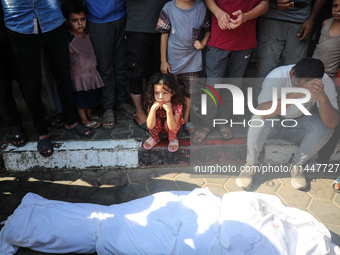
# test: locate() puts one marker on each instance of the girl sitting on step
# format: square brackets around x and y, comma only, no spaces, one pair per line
[164,101]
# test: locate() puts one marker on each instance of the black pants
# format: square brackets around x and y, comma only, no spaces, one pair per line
[27,50]
[8,73]
[143,58]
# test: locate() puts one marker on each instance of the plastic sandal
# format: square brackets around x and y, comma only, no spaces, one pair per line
[80,130]
[333,184]
[127,109]
[189,127]
[45,145]
[173,143]
[93,125]
[226,132]
[152,142]
[17,135]
[53,122]
[200,135]
[142,126]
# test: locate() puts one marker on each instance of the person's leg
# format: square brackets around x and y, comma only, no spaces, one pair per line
[103,40]
[270,44]
[138,56]
[312,135]
[119,62]
[51,85]
[8,106]
[326,152]
[294,50]
[154,139]
[172,137]
[7,102]
[57,53]
[26,50]
[258,132]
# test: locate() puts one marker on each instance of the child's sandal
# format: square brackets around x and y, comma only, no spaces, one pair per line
[152,142]
[172,144]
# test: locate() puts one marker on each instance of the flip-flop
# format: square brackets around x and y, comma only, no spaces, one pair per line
[200,135]
[128,109]
[54,122]
[44,145]
[173,143]
[17,135]
[80,130]
[226,132]
[142,126]
[152,142]
[189,127]
[93,125]
[333,184]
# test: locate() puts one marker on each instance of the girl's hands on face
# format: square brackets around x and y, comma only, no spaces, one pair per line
[156,105]
[167,106]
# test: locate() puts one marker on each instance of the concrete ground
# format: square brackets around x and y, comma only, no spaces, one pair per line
[155,172]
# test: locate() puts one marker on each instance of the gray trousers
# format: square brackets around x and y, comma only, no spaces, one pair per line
[277,44]
[224,64]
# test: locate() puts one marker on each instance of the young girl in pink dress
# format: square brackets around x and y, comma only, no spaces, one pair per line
[83,64]
[164,101]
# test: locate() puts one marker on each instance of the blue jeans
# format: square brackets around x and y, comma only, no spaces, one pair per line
[310,132]
[109,44]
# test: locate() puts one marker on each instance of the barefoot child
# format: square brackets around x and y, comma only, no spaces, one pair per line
[83,64]
[164,101]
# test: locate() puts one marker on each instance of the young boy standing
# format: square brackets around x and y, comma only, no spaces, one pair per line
[180,23]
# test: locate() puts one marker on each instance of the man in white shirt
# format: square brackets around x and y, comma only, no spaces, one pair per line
[311,131]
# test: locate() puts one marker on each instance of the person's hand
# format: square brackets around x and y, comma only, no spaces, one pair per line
[283,5]
[223,20]
[155,106]
[235,23]
[316,88]
[165,68]
[198,45]
[167,106]
[305,30]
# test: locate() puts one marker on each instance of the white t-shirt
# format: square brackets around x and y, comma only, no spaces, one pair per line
[279,78]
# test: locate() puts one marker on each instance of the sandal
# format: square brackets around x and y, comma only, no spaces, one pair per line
[127,109]
[333,184]
[173,143]
[200,135]
[17,135]
[141,126]
[45,145]
[80,130]
[93,125]
[109,119]
[189,127]
[152,142]
[96,118]
[226,132]
[54,122]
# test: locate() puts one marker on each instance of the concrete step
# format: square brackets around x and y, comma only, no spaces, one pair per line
[129,153]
